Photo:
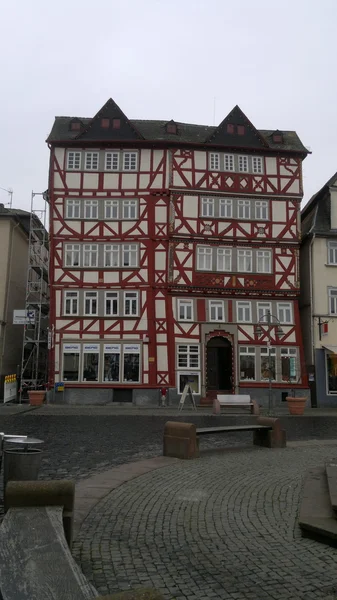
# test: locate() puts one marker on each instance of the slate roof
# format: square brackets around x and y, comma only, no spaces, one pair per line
[20,216]
[187,133]
[315,216]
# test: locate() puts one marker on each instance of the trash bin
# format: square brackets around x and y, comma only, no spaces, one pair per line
[21,464]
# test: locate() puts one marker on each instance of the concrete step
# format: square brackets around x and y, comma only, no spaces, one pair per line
[331,474]
[317,518]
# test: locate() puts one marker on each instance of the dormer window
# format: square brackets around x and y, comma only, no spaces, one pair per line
[230,128]
[105,123]
[116,123]
[75,125]
[241,130]
[278,137]
[171,128]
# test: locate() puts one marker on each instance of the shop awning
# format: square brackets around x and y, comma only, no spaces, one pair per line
[332,349]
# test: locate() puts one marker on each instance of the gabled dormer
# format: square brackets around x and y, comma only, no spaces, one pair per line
[236,131]
[171,127]
[277,136]
[110,124]
[75,125]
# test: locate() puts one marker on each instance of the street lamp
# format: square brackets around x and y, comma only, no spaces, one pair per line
[269,319]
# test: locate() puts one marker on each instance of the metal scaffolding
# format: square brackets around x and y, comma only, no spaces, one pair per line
[34,365]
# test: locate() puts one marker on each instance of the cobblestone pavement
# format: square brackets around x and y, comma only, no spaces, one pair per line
[221,527]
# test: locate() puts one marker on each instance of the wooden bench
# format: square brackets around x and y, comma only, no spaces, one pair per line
[181,440]
[235,401]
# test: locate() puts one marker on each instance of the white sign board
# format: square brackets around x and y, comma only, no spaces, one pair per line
[187,393]
[10,388]
[23,317]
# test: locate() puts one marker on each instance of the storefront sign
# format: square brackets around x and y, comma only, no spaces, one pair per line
[112,348]
[90,347]
[132,348]
[71,347]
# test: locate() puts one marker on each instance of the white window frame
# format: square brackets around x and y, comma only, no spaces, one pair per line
[244,256]
[90,297]
[263,261]
[261,210]
[73,208]
[91,209]
[214,161]
[186,307]
[131,298]
[132,250]
[246,307]
[247,351]
[130,348]
[113,206]
[257,165]
[111,251]
[282,309]
[91,161]
[207,207]
[191,353]
[291,352]
[130,209]
[243,163]
[262,307]
[111,161]
[244,209]
[264,352]
[90,252]
[69,348]
[186,374]
[216,306]
[73,249]
[227,205]
[332,253]
[70,298]
[130,161]
[73,160]
[204,252]
[333,301]
[109,298]
[229,163]
[226,255]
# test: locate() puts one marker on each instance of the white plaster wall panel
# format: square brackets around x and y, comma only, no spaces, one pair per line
[129,181]
[58,183]
[186,340]
[287,170]
[279,208]
[57,226]
[57,357]
[200,160]
[294,188]
[145,160]
[75,225]
[291,338]
[143,273]
[90,181]
[90,277]
[160,309]
[181,257]
[157,157]
[161,214]
[58,303]
[91,226]
[245,226]
[178,181]
[158,181]
[113,225]
[142,324]
[111,181]
[143,296]
[57,338]
[69,279]
[246,333]
[145,351]
[72,193]
[274,182]
[145,378]
[277,230]
[177,273]
[111,277]
[161,338]
[223,225]
[191,207]
[112,323]
[144,181]
[127,225]
[278,277]
[162,363]
[73,180]
[129,325]
[131,336]
[184,229]
[58,273]
[60,323]
[91,324]
[71,336]
[160,260]
[333,207]
[285,260]
[330,338]
[59,155]
[271,166]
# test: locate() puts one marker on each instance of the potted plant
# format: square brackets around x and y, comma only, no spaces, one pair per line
[296,404]
[36,397]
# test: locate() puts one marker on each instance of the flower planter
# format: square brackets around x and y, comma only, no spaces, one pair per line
[296,405]
[36,397]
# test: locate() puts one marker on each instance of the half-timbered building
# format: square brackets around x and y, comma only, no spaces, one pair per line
[170,245]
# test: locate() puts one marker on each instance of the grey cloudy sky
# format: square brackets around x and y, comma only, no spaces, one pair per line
[163,59]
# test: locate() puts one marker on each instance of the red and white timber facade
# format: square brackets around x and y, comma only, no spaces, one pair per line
[169,244]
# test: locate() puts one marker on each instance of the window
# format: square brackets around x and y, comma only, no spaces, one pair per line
[111,209]
[130,255]
[278,137]
[111,255]
[261,210]
[204,258]
[288,364]
[230,128]
[229,162]
[111,161]
[332,253]
[71,362]
[116,123]
[257,164]
[74,161]
[129,209]
[105,123]
[333,301]
[263,261]
[91,161]
[90,362]
[90,303]
[243,164]
[111,362]
[207,207]
[171,128]
[75,126]
[111,304]
[131,362]
[331,369]
[225,207]
[185,310]
[244,312]
[241,130]
[73,209]
[268,366]
[90,255]
[247,363]
[71,303]
[284,312]
[214,161]
[216,310]
[188,357]
[130,161]
[191,379]
[72,255]
[245,262]
[244,209]
[224,259]
[130,304]
[262,310]
[91,209]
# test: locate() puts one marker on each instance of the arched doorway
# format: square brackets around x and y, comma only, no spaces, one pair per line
[219,364]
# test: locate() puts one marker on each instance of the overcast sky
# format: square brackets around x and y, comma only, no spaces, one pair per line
[165,59]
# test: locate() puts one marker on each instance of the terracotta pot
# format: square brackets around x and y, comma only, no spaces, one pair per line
[296,405]
[36,397]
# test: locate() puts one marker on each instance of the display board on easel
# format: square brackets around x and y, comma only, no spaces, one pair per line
[187,393]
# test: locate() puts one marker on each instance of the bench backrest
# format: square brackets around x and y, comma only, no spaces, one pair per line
[234,399]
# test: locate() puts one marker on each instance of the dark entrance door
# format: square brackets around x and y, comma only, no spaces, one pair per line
[219,364]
